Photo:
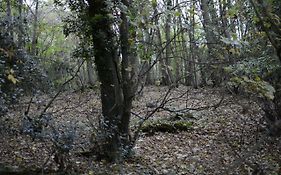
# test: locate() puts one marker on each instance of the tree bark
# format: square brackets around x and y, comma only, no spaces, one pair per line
[272,109]
[165,77]
[33,49]
[10,19]
[90,72]
[20,25]
[106,61]
[192,78]
[118,80]
[168,48]
[185,58]
[208,25]
[223,17]
[129,77]
[177,56]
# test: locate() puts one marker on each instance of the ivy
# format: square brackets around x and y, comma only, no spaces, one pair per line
[251,74]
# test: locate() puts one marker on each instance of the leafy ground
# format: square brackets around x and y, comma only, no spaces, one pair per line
[227,138]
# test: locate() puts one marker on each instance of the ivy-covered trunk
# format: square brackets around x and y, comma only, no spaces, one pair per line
[269,17]
[272,108]
[118,79]
[106,61]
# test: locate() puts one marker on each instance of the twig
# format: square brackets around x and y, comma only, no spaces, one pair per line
[45,163]
[60,90]
[28,107]
[195,109]
[161,105]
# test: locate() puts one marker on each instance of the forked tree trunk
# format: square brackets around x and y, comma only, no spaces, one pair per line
[118,81]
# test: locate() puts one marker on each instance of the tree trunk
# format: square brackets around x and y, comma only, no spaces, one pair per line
[118,84]
[208,25]
[168,48]
[148,77]
[267,16]
[223,17]
[83,76]
[9,19]
[129,77]
[224,5]
[106,61]
[146,74]
[20,25]
[33,49]
[177,56]
[184,54]
[191,65]
[90,72]
[165,79]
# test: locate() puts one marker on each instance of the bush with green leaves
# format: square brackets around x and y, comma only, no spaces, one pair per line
[252,76]
[19,73]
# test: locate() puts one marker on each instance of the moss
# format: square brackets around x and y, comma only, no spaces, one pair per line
[166,126]
[183,125]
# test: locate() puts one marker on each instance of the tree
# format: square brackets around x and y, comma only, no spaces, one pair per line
[168,79]
[9,18]
[19,73]
[192,78]
[164,66]
[20,25]
[129,71]
[34,39]
[269,16]
[210,28]
[117,80]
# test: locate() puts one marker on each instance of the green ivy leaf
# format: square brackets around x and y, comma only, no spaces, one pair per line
[177,13]
[12,79]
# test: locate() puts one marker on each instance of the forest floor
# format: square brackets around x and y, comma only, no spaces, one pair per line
[227,138]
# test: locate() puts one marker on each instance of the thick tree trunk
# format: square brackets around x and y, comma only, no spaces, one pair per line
[165,77]
[118,84]
[129,77]
[106,61]
[268,15]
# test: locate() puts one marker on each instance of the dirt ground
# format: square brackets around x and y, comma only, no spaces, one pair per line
[227,136]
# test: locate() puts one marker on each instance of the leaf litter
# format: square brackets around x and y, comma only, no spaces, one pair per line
[225,139]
